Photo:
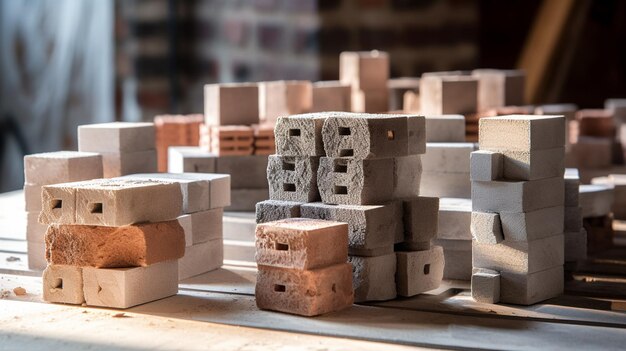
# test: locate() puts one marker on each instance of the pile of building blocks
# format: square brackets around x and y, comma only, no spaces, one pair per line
[45,169]
[302,266]
[366,72]
[175,130]
[126,147]
[366,170]
[103,249]
[518,195]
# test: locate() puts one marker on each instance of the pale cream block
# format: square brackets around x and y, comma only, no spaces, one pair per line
[364,70]
[370,101]
[231,104]
[455,215]
[519,257]
[61,167]
[181,159]
[486,165]
[486,286]
[374,278]
[32,198]
[118,164]
[201,258]
[419,271]
[116,137]
[447,157]
[454,185]
[533,225]
[124,201]
[128,287]
[445,129]
[36,256]
[528,289]
[575,245]
[63,284]
[486,228]
[522,132]
[517,196]
[35,232]
[186,223]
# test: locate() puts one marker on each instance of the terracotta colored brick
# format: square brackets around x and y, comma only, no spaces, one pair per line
[596,123]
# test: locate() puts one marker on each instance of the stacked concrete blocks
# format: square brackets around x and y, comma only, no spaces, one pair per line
[367,74]
[518,216]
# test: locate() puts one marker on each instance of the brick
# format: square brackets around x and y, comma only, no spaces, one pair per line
[454,219]
[201,258]
[183,159]
[127,246]
[522,133]
[528,289]
[519,257]
[306,293]
[32,198]
[246,172]
[573,219]
[246,199]
[36,253]
[352,182]
[228,140]
[486,286]
[231,104]
[420,217]
[116,137]
[284,98]
[445,129]
[374,278]
[119,164]
[364,70]
[300,135]
[63,284]
[274,210]
[121,202]
[486,165]
[61,167]
[293,178]
[128,287]
[575,245]
[441,184]
[533,225]
[440,95]
[301,243]
[517,196]
[331,96]
[497,88]
[596,123]
[448,157]
[419,271]
[486,228]
[369,227]
[370,101]
[59,202]
[205,225]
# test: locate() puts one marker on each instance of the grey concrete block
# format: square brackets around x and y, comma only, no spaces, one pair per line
[458,264]
[486,165]
[246,172]
[486,228]
[369,227]
[419,271]
[572,184]
[528,289]
[379,251]
[420,216]
[486,286]
[445,129]
[447,157]
[293,178]
[517,196]
[533,225]
[116,137]
[522,132]
[455,215]
[274,210]
[374,278]
[300,135]
[596,200]
[407,176]
[181,159]
[246,199]
[533,164]
[355,182]
[456,185]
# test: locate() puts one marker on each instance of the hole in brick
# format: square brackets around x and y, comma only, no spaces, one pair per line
[289,166]
[340,190]
[281,247]
[95,207]
[426,269]
[334,288]
[58,284]
[341,168]
[279,288]
[290,187]
[391,135]
[344,131]
[57,203]
[346,152]
[227,138]
[99,288]
[294,132]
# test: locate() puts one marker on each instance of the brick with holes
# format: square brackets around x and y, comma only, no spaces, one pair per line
[183,159]
[486,285]
[61,167]
[63,284]
[231,104]
[274,210]
[228,140]
[305,292]
[301,243]
[264,140]
[293,178]
[300,135]
[58,202]
[374,278]
[419,271]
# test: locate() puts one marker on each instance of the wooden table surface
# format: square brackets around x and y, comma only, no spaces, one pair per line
[217,311]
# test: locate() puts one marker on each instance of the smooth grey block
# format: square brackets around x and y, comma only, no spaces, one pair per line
[532,164]
[181,159]
[420,216]
[446,184]
[486,286]
[407,176]
[246,172]
[458,264]
[293,178]
[486,165]
[350,181]
[572,184]
[528,289]
[517,196]
[246,199]
[300,135]
[455,215]
[448,157]
[274,210]
[419,271]
[533,225]
[445,129]
[374,278]
[486,227]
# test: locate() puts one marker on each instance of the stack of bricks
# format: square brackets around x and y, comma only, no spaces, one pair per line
[126,148]
[367,74]
[575,236]
[366,170]
[175,130]
[518,193]
[264,142]
[302,266]
[204,199]
[227,140]
[45,169]
[103,249]
[592,136]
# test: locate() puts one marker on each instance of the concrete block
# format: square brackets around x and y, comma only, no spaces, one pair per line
[364,70]
[573,219]
[455,185]
[128,287]
[125,201]
[201,258]
[293,178]
[183,159]
[284,98]
[63,284]
[407,176]
[119,164]
[369,227]
[497,88]
[448,157]
[533,225]
[59,202]
[61,167]
[373,135]
[374,278]
[304,292]
[300,135]
[455,217]
[419,271]
[246,199]
[522,132]
[239,226]
[486,228]
[596,200]
[528,289]
[440,94]
[36,256]
[116,137]
[445,129]
[575,245]
[517,196]
[420,217]
[486,286]
[35,232]
[246,172]
[301,243]
[127,246]
[519,257]
[458,263]
[486,165]
[231,104]
[274,210]
[331,96]
[32,198]
[350,181]
[534,164]
[204,226]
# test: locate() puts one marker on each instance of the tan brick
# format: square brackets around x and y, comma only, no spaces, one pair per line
[201,258]
[61,167]
[284,98]
[116,137]
[63,284]
[231,104]
[364,70]
[522,132]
